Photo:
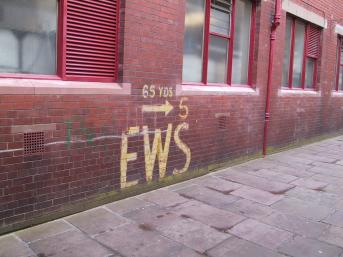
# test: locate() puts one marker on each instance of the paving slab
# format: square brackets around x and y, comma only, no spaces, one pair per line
[136,241]
[208,196]
[10,246]
[218,184]
[184,230]
[339,205]
[163,197]
[296,225]
[260,233]
[260,164]
[335,218]
[257,182]
[186,252]
[236,247]
[303,209]
[290,159]
[250,209]
[334,235]
[275,176]
[314,197]
[336,189]
[152,216]
[71,243]
[310,184]
[327,169]
[127,205]
[331,153]
[193,234]
[315,157]
[96,221]
[328,179]
[44,230]
[257,195]
[208,215]
[328,166]
[326,172]
[281,159]
[300,247]
[181,185]
[300,172]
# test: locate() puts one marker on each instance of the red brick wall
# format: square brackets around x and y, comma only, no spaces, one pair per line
[83,152]
[295,118]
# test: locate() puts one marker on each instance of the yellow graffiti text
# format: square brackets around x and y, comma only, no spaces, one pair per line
[161,91]
[156,150]
[184,111]
[166,108]
[182,146]
[126,157]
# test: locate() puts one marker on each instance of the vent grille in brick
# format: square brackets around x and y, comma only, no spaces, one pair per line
[34,142]
[222,122]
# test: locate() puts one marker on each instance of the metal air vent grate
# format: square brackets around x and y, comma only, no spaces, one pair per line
[222,122]
[34,142]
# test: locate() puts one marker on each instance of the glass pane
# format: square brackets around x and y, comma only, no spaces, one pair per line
[340,84]
[241,48]
[287,53]
[220,17]
[217,60]
[28,36]
[310,63]
[193,41]
[298,53]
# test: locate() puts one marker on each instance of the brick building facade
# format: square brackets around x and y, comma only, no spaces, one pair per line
[68,143]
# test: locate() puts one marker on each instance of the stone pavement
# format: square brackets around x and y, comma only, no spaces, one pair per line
[288,204]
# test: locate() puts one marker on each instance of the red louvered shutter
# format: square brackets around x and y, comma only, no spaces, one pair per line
[91,40]
[313,41]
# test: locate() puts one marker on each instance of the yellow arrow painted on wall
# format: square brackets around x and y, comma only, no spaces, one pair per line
[166,108]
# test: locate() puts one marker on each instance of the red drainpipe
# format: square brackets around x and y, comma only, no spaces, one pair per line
[276,23]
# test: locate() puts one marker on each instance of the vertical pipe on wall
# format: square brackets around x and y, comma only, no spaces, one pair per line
[275,24]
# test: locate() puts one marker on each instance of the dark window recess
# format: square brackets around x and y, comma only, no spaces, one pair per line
[221,5]
[34,142]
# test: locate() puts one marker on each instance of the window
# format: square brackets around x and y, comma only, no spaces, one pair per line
[28,32]
[302,50]
[70,39]
[339,82]
[218,41]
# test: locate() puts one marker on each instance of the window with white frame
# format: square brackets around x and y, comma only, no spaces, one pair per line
[218,41]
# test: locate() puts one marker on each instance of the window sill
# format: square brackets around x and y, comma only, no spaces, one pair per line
[194,90]
[337,94]
[298,92]
[56,87]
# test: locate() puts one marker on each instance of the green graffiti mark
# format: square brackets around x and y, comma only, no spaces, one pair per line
[89,135]
[83,130]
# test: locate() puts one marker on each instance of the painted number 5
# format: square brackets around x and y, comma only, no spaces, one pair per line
[184,111]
